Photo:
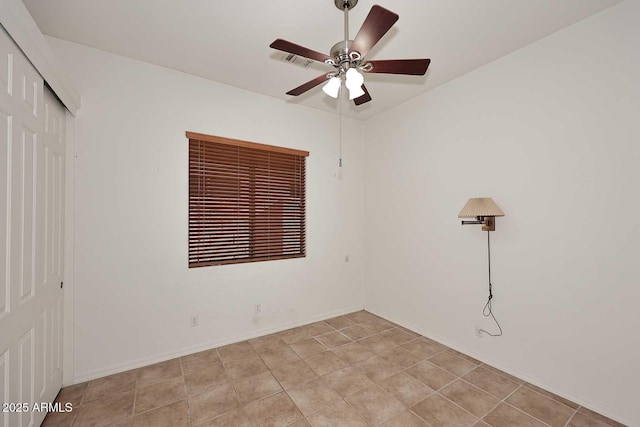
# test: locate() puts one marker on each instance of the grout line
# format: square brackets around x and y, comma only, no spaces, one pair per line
[571,417]
[550,398]
[475,386]
[526,413]
[454,403]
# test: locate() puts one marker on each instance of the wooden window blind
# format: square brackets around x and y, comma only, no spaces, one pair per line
[246,201]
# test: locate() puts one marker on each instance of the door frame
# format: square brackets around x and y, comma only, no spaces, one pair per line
[68,335]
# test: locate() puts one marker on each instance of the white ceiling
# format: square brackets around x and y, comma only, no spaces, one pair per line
[228,41]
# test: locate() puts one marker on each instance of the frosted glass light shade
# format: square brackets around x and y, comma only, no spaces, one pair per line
[480,206]
[355,92]
[332,87]
[354,79]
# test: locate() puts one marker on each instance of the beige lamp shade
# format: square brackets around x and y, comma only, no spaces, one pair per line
[480,206]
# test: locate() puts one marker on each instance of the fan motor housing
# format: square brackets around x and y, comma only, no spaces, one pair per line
[350,4]
[339,50]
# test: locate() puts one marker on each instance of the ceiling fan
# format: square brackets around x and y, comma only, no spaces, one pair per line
[348,56]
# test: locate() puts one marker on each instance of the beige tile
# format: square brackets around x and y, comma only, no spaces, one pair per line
[200,360]
[374,404]
[174,415]
[352,352]
[236,418]
[347,381]
[551,412]
[582,420]
[72,394]
[397,336]
[599,417]
[159,372]
[507,416]
[239,350]
[464,356]
[107,388]
[378,325]
[405,419]
[262,343]
[452,363]
[59,419]
[256,387]
[340,322]
[295,335]
[405,388]
[293,374]
[423,348]
[430,374]
[104,411]
[408,331]
[212,403]
[491,382]
[333,339]
[245,367]
[400,357]
[357,332]
[361,316]
[300,423]
[275,356]
[481,424]
[469,397]
[205,379]
[318,328]
[312,396]
[552,396]
[376,368]
[308,348]
[325,362]
[276,410]
[127,422]
[339,414]
[377,343]
[502,373]
[159,394]
[429,340]
[438,411]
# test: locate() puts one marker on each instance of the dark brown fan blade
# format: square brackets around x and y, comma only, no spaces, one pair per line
[378,22]
[296,49]
[414,67]
[364,98]
[308,85]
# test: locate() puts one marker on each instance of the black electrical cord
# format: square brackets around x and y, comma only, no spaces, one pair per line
[486,311]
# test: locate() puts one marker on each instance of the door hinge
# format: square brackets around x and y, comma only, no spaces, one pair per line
[61,284]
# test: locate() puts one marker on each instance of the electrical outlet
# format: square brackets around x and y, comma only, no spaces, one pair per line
[258,308]
[194,320]
[346,258]
[478,332]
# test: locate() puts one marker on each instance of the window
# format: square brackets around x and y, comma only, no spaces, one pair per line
[246,201]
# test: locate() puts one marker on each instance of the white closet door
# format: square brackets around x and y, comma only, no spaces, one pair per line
[31,237]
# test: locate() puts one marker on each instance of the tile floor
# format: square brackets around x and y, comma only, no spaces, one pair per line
[353,370]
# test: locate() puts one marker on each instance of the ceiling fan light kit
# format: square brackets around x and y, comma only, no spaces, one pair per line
[332,88]
[348,56]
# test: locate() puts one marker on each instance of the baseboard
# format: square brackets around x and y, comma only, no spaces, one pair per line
[138,363]
[565,393]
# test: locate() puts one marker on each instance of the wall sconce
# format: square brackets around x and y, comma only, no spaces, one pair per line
[484,210]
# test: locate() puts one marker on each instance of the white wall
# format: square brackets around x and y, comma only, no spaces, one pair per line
[134,294]
[552,133]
